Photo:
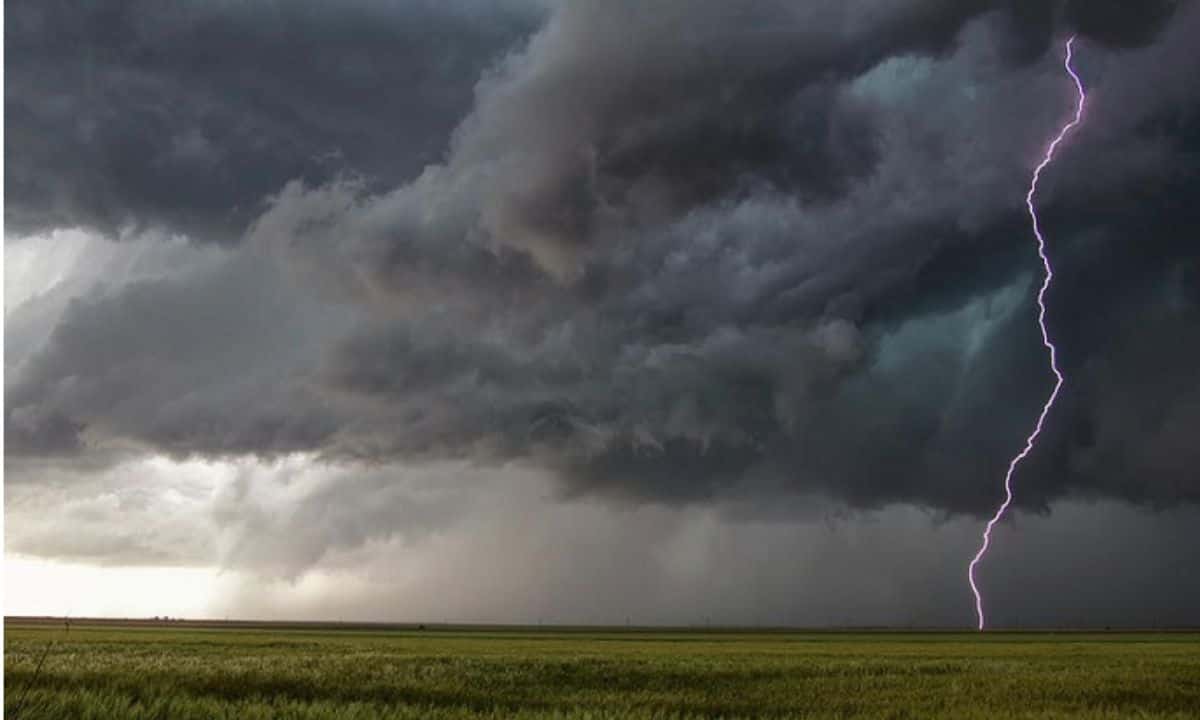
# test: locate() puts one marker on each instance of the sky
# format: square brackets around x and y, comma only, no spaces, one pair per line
[618,312]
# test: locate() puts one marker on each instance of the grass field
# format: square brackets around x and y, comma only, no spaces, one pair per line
[196,672]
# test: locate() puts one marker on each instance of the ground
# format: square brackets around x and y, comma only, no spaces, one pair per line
[180,670]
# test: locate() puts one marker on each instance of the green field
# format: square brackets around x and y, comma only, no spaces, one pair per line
[192,672]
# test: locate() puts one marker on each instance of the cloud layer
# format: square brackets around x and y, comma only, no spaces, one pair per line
[680,252]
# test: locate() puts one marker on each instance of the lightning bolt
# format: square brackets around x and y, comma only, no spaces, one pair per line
[1041,301]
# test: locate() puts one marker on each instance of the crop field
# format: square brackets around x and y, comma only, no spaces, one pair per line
[181,671]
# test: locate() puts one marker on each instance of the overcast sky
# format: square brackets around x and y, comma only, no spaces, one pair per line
[662,312]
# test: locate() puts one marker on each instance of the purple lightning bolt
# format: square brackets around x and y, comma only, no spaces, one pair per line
[1041,301]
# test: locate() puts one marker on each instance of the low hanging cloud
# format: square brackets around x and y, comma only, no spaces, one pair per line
[677,253]
[297,539]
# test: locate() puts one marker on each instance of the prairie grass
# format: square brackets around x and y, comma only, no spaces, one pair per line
[147,672]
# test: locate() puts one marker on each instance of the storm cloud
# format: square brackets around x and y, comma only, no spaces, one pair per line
[673,252]
[127,116]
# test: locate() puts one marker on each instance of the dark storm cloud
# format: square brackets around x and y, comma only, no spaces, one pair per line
[1120,24]
[210,362]
[183,116]
[684,250]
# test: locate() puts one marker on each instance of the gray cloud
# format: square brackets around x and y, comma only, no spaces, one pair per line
[451,542]
[122,116]
[1088,565]
[170,362]
[125,511]
[680,253]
